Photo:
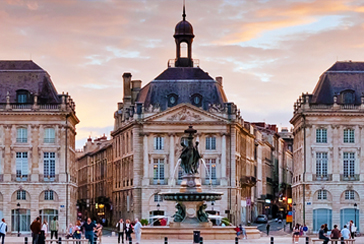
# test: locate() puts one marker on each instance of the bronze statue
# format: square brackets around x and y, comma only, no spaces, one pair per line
[180,215]
[190,157]
[201,214]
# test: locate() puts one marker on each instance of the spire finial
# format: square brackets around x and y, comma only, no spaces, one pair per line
[184,11]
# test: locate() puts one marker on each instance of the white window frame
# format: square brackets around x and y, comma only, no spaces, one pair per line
[22,135]
[349,195]
[321,164]
[22,166]
[321,135]
[49,166]
[21,195]
[210,172]
[49,195]
[210,143]
[348,164]
[322,195]
[158,171]
[49,135]
[158,143]
[349,136]
[158,198]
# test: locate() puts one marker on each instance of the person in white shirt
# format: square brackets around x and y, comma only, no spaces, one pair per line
[3,230]
[45,228]
[138,230]
[120,227]
[345,232]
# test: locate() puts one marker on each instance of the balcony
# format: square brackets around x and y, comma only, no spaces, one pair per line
[207,181]
[20,178]
[48,178]
[249,181]
[153,181]
[327,177]
[345,177]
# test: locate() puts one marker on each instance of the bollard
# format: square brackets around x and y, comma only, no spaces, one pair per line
[236,240]
[60,240]
[165,240]
[25,240]
[196,237]
[342,240]
[201,240]
[272,240]
[130,240]
[307,240]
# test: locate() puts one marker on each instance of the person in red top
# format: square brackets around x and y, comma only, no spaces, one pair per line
[35,227]
[335,233]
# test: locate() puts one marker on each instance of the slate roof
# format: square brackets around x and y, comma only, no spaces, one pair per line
[184,82]
[26,75]
[342,76]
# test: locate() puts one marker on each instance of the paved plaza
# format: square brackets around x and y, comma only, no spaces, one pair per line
[263,240]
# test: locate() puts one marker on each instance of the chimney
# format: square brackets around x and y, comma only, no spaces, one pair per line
[127,88]
[135,88]
[219,80]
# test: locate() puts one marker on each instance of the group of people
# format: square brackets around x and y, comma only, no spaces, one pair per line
[348,232]
[127,228]
[36,227]
[240,232]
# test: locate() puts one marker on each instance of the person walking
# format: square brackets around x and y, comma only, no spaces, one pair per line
[54,228]
[352,229]
[267,227]
[77,231]
[98,231]
[322,235]
[3,230]
[137,230]
[120,228]
[45,228]
[128,230]
[242,231]
[89,228]
[345,232]
[35,227]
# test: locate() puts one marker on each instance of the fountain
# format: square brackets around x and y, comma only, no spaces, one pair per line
[190,200]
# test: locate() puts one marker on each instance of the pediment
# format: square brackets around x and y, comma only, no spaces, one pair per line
[185,113]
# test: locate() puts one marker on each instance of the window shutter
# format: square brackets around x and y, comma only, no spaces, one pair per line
[213,143]
[18,163]
[25,164]
[162,143]
[155,143]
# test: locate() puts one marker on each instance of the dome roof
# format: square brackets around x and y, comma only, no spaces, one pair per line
[184,28]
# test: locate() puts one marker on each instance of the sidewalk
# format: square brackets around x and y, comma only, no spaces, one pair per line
[114,240]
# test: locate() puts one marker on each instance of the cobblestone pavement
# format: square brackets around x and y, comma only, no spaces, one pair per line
[287,239]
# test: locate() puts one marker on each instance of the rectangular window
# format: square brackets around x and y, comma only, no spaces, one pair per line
[321,164]
[321,135]
[21,135]
[349,136]
[180,174]
[349,195]
[22,98]
[158,171]
[210,143]
[158,198]
[49,135]
[158,143]
[211,170]
[21,166]
[349,164]
[322,195]
[21,195]
[49,166]
[48,195]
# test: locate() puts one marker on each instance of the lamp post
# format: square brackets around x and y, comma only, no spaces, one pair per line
[212,205]
[294,214]
[158,206]
[355,206]
[18,210]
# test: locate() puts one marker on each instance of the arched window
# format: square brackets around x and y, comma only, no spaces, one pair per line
[196,99]
[172,99]
[348,97]
[22,96]
[184,50]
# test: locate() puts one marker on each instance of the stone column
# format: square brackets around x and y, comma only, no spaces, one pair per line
[145,160]
[171,160]
[223,160]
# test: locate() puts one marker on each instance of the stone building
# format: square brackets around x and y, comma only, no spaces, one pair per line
[37,148]
[328,149]
[95,179]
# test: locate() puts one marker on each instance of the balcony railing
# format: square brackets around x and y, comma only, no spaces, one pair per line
[49,178]
[22,178]
[207,181]
[153,181]
[345,177]
[327,177]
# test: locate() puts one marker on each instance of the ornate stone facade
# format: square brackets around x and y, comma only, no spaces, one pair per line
[37,148]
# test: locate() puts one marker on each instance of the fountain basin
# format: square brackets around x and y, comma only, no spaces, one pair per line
[191,196]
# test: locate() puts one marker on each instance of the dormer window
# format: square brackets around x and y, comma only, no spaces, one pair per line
[172,99]
[196,100]
[348,97]
[22,96]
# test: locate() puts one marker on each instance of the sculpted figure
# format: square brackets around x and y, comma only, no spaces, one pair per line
[180,215]
[201,214]
[190,157]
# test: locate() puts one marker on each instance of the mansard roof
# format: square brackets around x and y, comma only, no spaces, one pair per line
[342,76]
[184,83]
[27,76]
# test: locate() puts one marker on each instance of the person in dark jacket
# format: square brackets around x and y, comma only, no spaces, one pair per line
[120,228]
[128,229]
[89,228]
[35,227]
[322,234]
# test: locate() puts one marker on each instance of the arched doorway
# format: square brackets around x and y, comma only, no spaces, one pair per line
[348,214]
[321,216]
[23,219]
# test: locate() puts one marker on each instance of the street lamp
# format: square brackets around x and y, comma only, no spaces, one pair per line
[18,209]
[294,212]
[355,206]
[212,205]
[158,206]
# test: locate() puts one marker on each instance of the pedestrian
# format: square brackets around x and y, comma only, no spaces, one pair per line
[54,228]
[242,231]
[335,233]
[322,235]
[345,232]
[128,230]
[70,231]
[77,231]
[120,228]
[3,230]
[45,228]
[296,234]
[352,229]
[35,228]
[98,232]
[89,228]
[267,227]
[137,230]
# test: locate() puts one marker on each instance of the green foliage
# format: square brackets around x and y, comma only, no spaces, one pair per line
[144,222]
[225,221]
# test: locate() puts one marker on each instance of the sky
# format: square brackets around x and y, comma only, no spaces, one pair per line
[267,51]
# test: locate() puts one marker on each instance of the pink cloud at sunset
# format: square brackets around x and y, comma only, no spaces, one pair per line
[268,51]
